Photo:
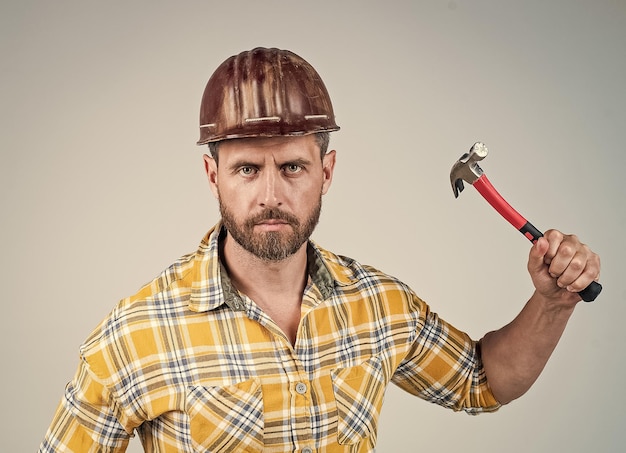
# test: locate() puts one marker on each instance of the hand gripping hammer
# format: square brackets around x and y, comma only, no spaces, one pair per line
[467,169]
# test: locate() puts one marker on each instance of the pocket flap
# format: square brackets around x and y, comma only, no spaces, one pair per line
[359,393]
[226,418]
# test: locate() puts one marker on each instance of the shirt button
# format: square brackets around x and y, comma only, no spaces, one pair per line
[301,389]
[307,450]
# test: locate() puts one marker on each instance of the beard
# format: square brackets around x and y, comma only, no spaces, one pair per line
[271,245]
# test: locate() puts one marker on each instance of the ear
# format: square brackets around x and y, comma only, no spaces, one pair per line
[210,167]
[328,168]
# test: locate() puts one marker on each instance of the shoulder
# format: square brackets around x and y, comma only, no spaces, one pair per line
[353,278]
[129,331]
[349,271]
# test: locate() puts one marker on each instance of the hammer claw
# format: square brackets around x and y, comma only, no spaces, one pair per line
[458,187]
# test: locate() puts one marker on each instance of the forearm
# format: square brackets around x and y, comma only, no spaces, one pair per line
[515,355]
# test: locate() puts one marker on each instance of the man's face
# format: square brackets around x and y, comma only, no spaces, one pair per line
[269,191]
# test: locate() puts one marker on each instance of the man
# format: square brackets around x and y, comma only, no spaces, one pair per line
[262,340]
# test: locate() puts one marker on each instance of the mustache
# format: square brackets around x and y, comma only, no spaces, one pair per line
[272,214]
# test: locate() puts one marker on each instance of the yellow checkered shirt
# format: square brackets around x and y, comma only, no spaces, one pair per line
[192,365]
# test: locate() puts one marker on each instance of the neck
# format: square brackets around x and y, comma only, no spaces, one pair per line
[275,286]
[257,277]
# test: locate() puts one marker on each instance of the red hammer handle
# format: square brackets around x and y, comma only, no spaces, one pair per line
[489,193]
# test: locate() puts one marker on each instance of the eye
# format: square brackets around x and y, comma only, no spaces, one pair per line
[247,170]
[293,168]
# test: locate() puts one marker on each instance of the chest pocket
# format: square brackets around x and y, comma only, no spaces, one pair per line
[359,393]
[226,419]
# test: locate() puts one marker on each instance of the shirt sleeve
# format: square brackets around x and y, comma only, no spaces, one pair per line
[85,419]
[444,366]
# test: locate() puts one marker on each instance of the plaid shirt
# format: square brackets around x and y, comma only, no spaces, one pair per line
[192,365]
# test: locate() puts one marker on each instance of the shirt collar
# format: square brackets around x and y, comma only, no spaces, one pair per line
[211,286]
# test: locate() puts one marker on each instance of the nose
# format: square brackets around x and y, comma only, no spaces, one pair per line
[272,190]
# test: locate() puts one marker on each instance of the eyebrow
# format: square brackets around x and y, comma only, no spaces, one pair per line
[242,163]
[251,163]
[298,161]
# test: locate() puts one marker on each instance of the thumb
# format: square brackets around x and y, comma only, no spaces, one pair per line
[537,255]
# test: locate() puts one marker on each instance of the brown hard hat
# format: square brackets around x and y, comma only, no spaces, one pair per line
[264,93]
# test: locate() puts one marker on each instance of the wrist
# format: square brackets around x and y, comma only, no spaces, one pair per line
[561,304]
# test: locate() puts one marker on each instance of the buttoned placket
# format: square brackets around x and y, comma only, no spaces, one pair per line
[300,415]
[301,393]
[299,385]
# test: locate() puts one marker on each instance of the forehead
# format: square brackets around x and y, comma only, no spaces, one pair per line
[260,146]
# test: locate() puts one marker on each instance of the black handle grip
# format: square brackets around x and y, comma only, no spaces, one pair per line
[588,294]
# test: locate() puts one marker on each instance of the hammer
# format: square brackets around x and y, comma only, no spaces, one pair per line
[467,169]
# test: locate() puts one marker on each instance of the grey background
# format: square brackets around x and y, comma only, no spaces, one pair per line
[102,185]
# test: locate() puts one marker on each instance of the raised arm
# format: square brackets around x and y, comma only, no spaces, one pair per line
[560,266]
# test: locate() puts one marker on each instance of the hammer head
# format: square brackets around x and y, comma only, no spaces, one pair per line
[467,168]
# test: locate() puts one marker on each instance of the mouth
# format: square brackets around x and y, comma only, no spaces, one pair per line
[272,224]
[272,220]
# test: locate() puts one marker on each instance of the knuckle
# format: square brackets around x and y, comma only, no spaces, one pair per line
[577,264]
[567,248]
[596,260]
[555,235]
